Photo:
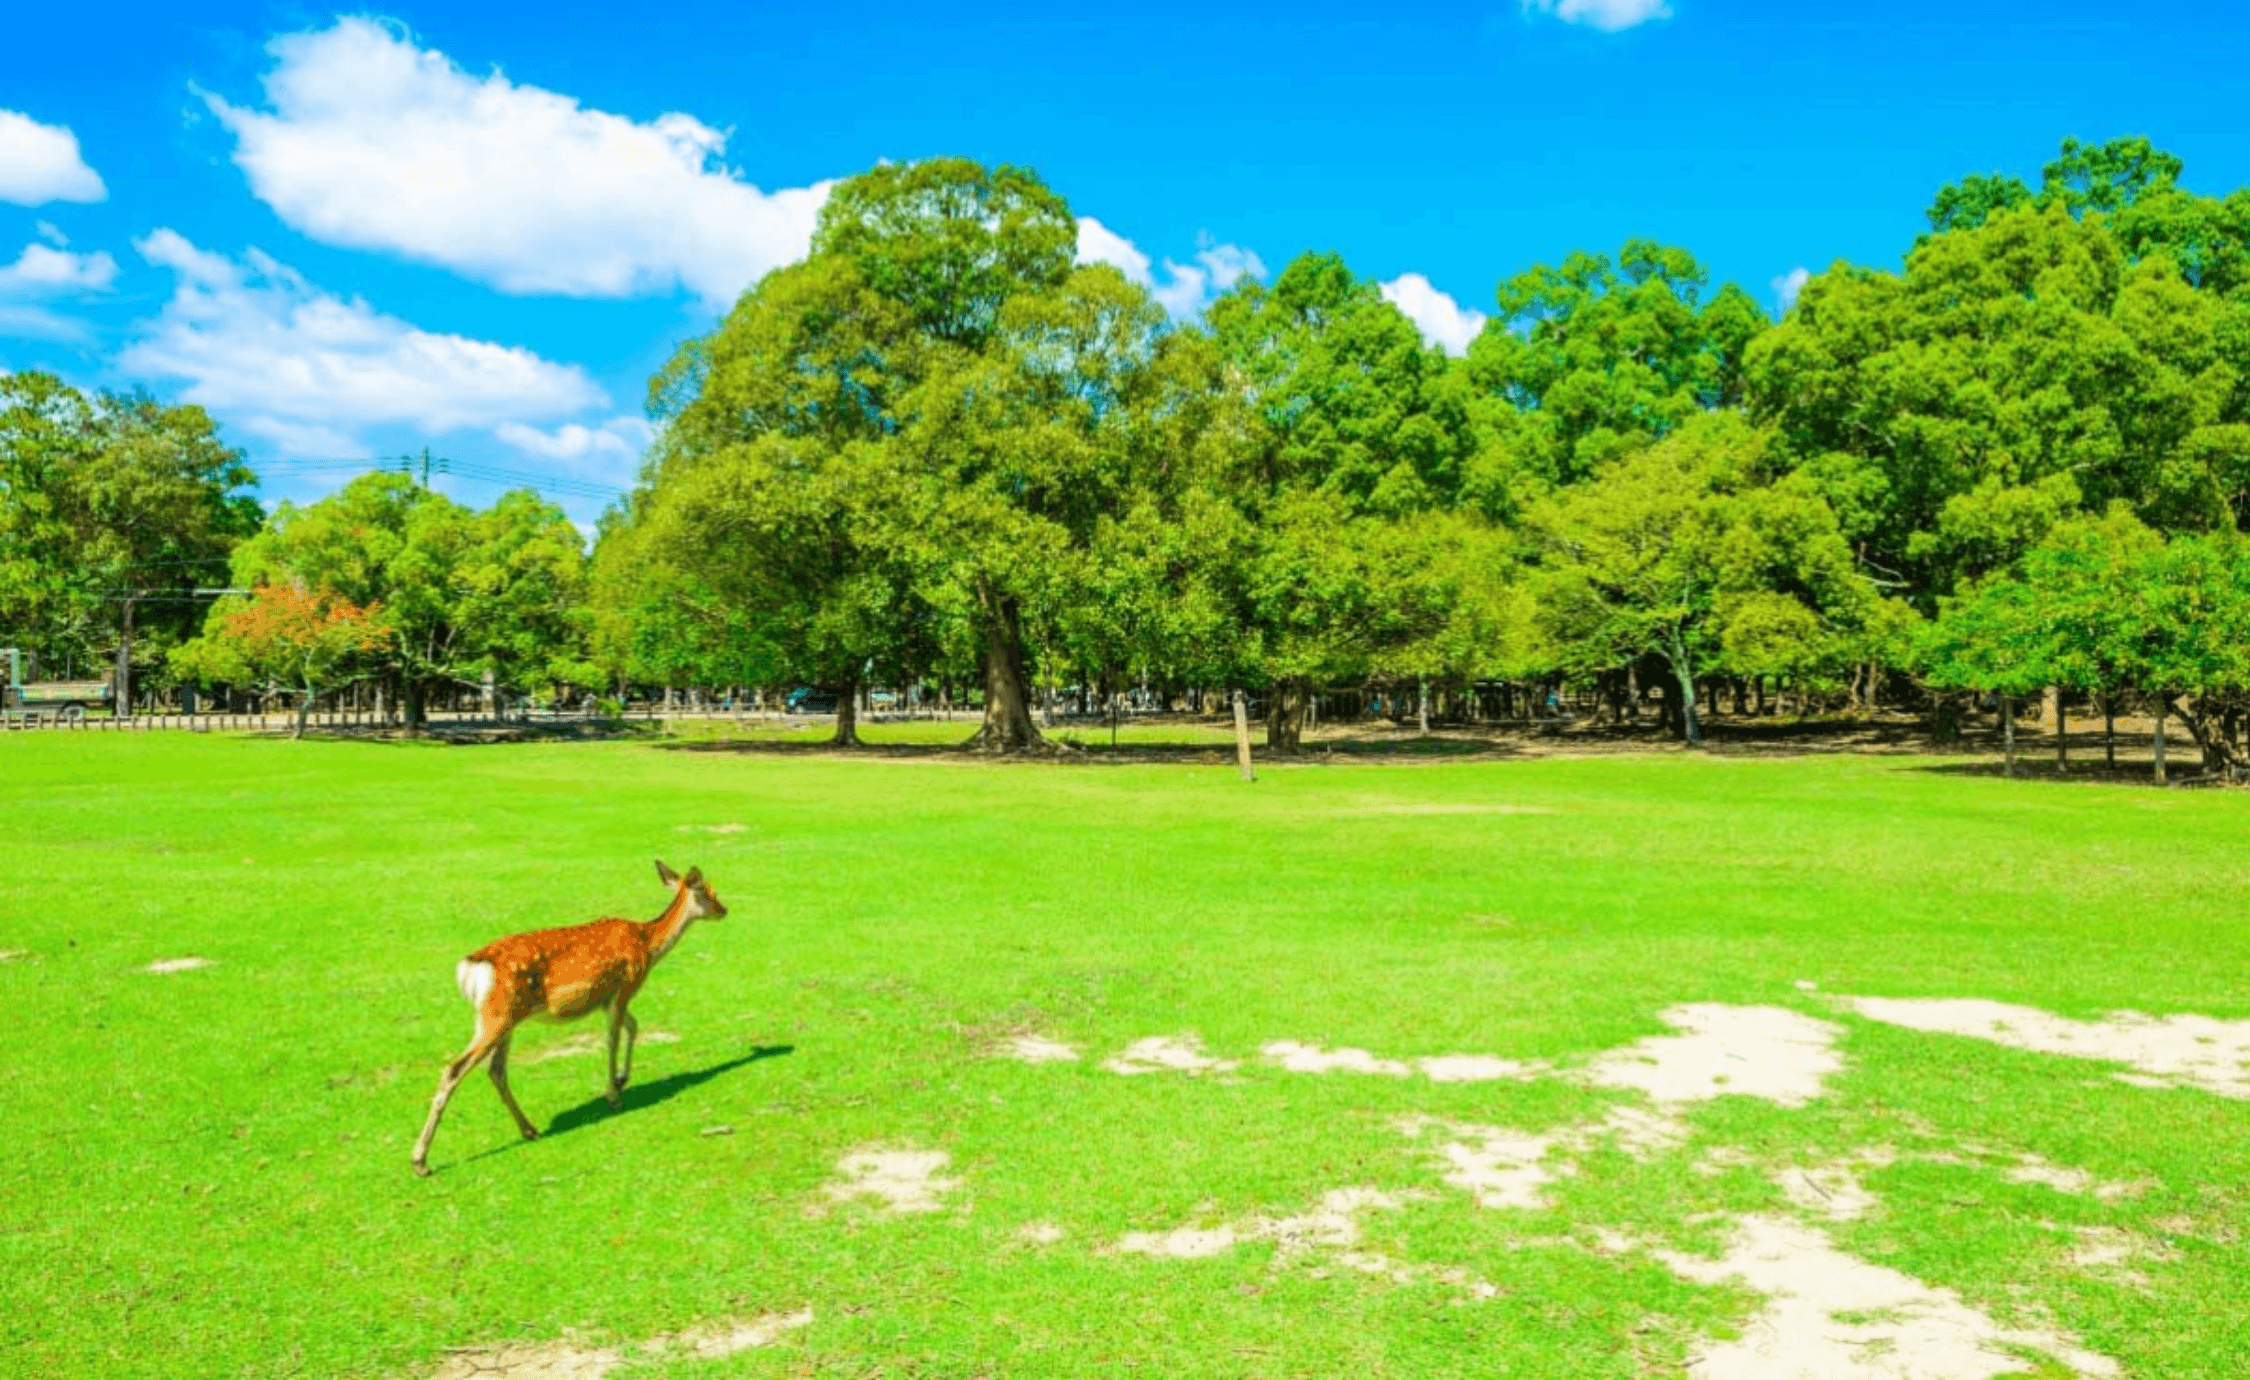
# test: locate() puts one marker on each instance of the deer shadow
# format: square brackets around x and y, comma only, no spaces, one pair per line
[640,1095]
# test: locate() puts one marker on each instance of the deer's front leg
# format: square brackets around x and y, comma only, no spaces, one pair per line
[618,1017]
[632,1028]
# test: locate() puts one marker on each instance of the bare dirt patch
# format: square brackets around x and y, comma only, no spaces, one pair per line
[2166,1051]
[13,955]
[713,828]
[1754,1051]
[568,1361]
[903,1180]
[178,965]
[1830,1316]
[1166,1054]
[1037,1049]
[1443,1068]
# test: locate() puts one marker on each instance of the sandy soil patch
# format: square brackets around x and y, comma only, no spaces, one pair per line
[2112,1250]
[177,965]
[1332,1223]
[565,1361]
[1442,1068]
[905,1180]
[1830,1316]
[2031,1169]
[1297,1058]
[1477,1068]
[1498,1167]
[1330,1228]
[1040,1233]
[1037,1049]
[713,828]
[12,955]
[585,1042]
[1167,1054]
[2167,1051]
[1754,1051]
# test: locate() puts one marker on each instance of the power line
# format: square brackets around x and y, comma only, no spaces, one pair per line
[474,471]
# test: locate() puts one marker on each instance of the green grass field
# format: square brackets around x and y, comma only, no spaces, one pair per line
[207,1171]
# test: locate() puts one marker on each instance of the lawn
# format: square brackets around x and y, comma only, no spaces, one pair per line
[208,1169]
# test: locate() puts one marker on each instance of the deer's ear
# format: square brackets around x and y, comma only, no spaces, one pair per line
[666,875]
[695,876]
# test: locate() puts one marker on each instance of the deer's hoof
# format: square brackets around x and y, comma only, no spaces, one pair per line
[421,1170]
[531,1133]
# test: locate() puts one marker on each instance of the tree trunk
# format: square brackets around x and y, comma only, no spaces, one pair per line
[2109,729]
[1285,715]
[304,708]
[2008,729]
[2062,732]
[412,693]
[847,715]
[1007,690]
[1422,708]
[2159,741]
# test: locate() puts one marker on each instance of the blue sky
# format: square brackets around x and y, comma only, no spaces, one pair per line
[356,234]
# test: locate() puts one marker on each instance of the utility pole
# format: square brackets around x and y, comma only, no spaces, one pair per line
[121,692]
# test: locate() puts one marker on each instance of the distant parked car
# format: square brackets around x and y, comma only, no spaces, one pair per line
[806,700]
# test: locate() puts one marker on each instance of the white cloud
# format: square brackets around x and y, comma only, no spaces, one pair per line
[51,233]
[374,143]
[304,368]
[1184,289]
[1788,285]
[40,271]
[1609,16]
[1443,321]
[608,451]
[40,163]
[1097,243]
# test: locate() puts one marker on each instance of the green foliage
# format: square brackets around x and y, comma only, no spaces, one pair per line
[463,592]
[103,495]
[1597,357]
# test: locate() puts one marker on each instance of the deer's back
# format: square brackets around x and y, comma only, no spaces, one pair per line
[561,974]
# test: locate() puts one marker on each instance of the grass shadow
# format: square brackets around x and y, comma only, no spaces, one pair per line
[640,1095]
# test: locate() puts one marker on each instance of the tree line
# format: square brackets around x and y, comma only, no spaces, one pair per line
[940,450]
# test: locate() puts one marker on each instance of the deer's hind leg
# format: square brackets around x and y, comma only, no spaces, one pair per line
[498,1068]
[490,1032]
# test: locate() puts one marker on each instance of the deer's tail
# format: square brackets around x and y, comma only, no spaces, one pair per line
[474,978]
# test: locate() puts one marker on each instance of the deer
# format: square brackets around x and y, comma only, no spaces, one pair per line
[562,975]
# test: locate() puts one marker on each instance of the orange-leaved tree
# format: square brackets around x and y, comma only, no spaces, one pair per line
[289,636]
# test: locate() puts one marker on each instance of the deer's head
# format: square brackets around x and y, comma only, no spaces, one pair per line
[702,901]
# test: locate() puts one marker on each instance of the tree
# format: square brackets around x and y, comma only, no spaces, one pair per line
[288,635]
[1598,356]
[1671,547]
[464,594]
[111,505]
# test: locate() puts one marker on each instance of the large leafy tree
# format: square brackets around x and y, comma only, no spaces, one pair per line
[106,498]
[1597,356]
[464,593]
[1690,545]
[292,638]
[2017,373]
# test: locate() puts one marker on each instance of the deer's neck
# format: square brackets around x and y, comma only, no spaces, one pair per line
[665,930]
